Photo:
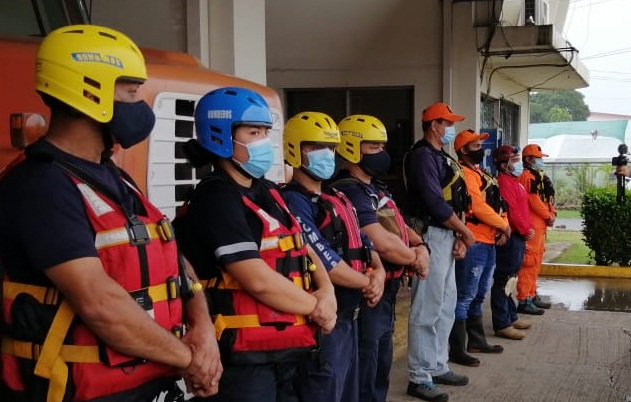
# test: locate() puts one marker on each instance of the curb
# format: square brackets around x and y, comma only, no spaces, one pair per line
[585,271]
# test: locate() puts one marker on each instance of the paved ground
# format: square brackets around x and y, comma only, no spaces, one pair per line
[566,356]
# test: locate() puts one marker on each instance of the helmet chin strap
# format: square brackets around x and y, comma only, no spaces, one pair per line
[108,143]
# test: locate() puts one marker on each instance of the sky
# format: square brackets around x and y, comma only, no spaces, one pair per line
[601,31]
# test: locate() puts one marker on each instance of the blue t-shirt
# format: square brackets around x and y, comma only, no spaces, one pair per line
[43,221]
[364,197]
[305,208]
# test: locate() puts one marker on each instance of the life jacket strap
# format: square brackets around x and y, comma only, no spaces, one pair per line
[223,322]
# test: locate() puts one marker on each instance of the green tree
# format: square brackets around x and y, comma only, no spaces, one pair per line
[571,101]
[557,114]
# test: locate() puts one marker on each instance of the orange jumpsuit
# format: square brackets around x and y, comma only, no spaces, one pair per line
[540,213]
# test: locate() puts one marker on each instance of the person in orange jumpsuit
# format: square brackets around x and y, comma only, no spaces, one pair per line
[542,215]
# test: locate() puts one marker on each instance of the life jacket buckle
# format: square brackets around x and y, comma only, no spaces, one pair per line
[173,287]
[286,243]
[165,230]
[137,231]
[298,241]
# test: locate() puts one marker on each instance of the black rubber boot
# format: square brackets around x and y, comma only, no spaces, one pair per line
[477,339]
[457,352]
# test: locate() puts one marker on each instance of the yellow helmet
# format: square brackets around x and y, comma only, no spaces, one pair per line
[356,129]
[79,65]
[307,127]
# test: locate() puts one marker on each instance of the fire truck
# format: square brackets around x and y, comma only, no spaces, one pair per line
[176,82]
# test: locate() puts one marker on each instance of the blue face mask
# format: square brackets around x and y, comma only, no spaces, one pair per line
[450,134]
[538,163]
[321,163]
[517,169]
[261,157]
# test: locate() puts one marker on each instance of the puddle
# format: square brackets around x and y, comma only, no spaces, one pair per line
[587,293]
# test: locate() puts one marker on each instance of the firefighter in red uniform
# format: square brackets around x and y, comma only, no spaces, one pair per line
[542,216]
[92,306]
[366,161]
[329,221]
[241,238]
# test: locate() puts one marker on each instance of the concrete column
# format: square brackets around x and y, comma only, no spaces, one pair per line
[465,69]
[197,30]
[236,38]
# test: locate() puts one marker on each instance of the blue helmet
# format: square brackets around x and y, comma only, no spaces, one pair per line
[219,111]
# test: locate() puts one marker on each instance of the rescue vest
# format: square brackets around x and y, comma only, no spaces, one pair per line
[340,228]
[536,184]
[453,185]
[337,223]
[389,217]
[248,331]
[491,193]
[139,253]
[541,185]
[455,188]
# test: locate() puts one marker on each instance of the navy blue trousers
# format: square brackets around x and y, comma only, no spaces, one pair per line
[333,375]
[508,260]
[274,382]
[376,328]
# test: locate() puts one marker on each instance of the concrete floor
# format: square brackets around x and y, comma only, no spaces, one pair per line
[566,356]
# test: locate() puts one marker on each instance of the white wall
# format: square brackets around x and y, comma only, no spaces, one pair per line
[159,24]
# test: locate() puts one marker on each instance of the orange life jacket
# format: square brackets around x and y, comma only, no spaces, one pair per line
[141,256]
[250,332]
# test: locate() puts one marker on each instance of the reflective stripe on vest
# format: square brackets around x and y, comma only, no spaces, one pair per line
[246,328]
[120,260]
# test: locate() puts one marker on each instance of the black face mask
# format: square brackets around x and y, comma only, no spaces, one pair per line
[477,156]
[131,123]
[376,165]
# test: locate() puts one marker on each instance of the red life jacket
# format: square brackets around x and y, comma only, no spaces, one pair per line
[250,332]
[341,229]
[142,258]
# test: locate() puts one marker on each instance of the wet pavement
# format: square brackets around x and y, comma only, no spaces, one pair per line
[574,352]
[577,294]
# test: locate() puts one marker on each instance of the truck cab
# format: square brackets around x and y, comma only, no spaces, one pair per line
[175,84]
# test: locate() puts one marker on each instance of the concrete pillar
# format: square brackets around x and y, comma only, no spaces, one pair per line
[236,37]
[465,69]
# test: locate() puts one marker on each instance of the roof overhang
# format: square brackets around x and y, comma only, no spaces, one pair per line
[536,57]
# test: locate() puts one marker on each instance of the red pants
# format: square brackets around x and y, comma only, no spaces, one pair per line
[530,268]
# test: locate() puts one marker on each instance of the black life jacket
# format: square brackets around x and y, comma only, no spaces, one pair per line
[453,185]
